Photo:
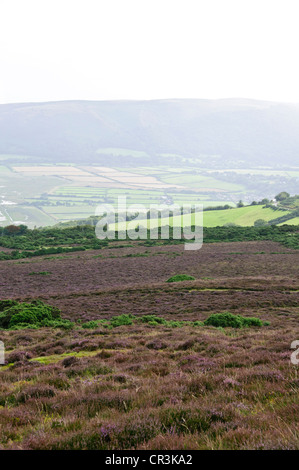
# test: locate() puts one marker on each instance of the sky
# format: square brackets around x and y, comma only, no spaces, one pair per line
[54,50]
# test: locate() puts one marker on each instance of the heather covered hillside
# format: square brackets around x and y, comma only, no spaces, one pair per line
[143,345]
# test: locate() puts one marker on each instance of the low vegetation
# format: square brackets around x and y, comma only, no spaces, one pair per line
[227,319]
[87,390]
[180,277]
[21,242]
[36,314]
[85,344]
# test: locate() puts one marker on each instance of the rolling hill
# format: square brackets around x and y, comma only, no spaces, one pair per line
[244,216]
[217,133]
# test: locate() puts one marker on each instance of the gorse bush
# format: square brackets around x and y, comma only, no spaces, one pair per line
[125,319]
[36,314]
[153,320]
[181,277]
[227,319]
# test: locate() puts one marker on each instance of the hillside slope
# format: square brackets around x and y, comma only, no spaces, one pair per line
[218,132]
[243,216]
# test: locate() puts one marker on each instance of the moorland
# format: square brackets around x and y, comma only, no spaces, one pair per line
[113,356]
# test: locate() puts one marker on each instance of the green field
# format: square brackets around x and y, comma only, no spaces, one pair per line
[294,221]
[77,194]
[13,158]
[121,152]
[201,182]
[243,216]
[49,199]
[265,172]
[30,216]
[64,213]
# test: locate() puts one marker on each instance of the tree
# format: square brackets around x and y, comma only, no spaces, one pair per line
[260,223]
[22,229]
[240,204]
[11,230]
[282,196]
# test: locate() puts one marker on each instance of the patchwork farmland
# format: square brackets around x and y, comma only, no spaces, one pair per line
[59,193]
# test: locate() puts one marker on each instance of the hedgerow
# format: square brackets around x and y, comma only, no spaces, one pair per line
[38,242]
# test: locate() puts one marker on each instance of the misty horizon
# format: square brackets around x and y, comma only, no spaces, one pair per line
[232,98]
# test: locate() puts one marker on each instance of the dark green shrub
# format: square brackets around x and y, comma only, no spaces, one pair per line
[124,319]
[90,325]
[153,320]
[227,319]
[198,323]
[41,273]
[4,304]
[181,277]
[35,314]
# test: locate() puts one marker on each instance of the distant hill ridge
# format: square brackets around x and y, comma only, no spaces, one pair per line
[226,132]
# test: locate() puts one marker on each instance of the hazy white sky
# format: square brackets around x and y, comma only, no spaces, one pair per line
[148,49]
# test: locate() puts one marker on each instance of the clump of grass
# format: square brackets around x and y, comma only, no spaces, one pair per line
[219,320]
[21,315]
[227,319]
[17,316]
[93,324]
[154,320]
[124,319]
[181,277]
[129,319]
[40,273]
[120,320]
